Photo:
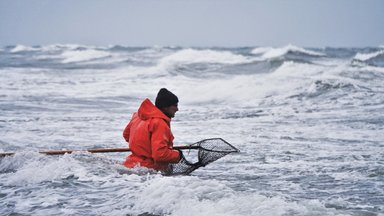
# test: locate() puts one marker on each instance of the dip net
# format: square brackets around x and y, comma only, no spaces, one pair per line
[199,155]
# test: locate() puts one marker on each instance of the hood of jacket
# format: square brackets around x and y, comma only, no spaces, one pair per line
[147,110]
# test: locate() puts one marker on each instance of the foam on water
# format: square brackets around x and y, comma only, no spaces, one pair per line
[368,56]
[211,59]
[22,48]
[39,177]
[308,123]
[83,55]
[204,56]
[269,52]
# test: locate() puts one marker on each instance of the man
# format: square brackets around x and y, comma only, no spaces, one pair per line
[149,134]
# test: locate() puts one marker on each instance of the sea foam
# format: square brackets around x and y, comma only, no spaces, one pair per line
[368,56]
[269,52]
[73,56]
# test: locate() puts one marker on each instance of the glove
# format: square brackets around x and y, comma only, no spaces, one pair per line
[181,155]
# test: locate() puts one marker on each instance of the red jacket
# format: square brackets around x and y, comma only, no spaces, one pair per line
[150,138]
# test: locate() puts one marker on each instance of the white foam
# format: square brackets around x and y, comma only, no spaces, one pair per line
[22,48]
[188,195]
[59,46]
[278,52]
[50,47]
[368,56]
[247,89]
[68,103]
[40,168]
[189,56]
[72,56]
[261,50]
[244,89]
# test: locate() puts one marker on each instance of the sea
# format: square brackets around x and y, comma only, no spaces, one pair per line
[308,123]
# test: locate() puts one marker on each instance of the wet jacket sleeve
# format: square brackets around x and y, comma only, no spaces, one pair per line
[126,132]
[162,144]
[127,129]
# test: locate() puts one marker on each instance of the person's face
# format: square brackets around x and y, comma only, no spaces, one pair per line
[170,111]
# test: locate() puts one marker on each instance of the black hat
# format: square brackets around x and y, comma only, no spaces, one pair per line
[165,98]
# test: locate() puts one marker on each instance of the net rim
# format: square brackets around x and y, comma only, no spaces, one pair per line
[234,149]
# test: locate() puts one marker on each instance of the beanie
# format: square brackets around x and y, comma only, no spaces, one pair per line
[165,98]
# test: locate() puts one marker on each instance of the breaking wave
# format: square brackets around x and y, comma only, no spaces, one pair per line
[271,53]
[83,55]
[307,121]
[375,58]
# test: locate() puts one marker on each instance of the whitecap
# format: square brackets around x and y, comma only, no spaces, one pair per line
[58,47]
[261,50]
[38,169]
[189,56]
[278,52]
[331,84]
[22,48]
[188,195]
[72,56]
[368,56]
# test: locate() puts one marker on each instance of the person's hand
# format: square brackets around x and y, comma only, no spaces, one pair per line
[181,156]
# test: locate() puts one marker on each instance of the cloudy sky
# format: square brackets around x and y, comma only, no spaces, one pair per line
[307,23]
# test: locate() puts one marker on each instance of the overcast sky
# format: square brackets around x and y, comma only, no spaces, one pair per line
[307,23]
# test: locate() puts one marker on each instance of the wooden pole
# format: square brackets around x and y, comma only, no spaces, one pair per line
[100,150]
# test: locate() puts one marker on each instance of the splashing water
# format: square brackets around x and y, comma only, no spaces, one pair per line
[308,123]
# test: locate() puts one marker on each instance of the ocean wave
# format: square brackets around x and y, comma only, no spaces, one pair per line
[201,63]
[51,47]
[211,197]
[61,47]
[278,114]
[270,53]
[375,58]
[22,48]
[333,86]
[324,85]
[64,177]
[73,56]
[121,48]
[250,88]
[188,56]
[368,56]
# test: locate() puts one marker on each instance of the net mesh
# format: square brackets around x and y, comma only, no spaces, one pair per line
[201,153]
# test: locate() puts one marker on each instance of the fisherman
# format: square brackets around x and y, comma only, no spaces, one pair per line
[149,133]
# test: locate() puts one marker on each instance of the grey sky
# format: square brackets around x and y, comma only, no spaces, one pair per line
[308,23]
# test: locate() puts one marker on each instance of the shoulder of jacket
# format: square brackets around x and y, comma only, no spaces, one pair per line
[159,122]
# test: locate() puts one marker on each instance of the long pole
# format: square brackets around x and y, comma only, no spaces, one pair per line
[99,150]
